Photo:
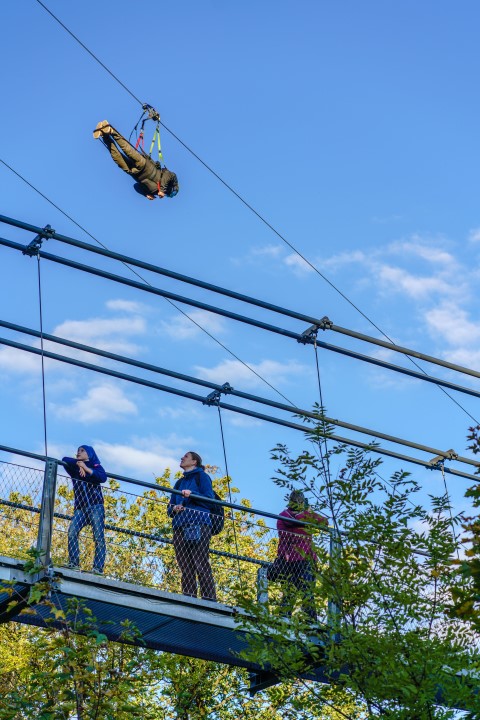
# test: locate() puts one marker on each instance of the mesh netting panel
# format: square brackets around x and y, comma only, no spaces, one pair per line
[20,502]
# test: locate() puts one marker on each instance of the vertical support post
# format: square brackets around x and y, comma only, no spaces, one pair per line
[262,585]
[333,607]
[45,530]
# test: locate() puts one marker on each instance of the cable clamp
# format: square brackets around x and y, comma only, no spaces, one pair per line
[215,396]
[439,460]
[309,336]
[34,247]
[152,113]
[325,323]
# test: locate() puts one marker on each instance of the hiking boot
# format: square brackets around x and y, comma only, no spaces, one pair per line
[71,566]
[102,127]
[97,571]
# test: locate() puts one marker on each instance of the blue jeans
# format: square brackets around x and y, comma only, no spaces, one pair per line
[94,516]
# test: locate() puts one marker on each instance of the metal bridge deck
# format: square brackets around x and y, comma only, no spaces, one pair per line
[166,621]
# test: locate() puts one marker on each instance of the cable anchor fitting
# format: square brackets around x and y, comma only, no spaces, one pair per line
[309,336]
[152,113]
[34,247]
[325,323]
[439,460]
[216,395]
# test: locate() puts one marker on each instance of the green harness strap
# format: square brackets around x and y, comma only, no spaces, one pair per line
[156,135]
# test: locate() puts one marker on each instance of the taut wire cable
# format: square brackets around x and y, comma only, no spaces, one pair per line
[229,493]
[44,401]
[185,314]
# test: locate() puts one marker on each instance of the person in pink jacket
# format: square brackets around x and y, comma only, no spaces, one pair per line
[296,558]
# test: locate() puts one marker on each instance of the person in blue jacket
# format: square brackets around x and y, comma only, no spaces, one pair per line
[87,475]
[192,527]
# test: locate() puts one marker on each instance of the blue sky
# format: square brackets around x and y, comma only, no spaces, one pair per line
[351,127]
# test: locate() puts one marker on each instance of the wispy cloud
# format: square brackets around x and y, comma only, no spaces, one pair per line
[430,252]
[101,402]
[183,328]
[277,257]
[176,413]
[19,361]
[234,372]
[144,456]
[298,264]
[398,280]
[94,328]
[474,235]
[357,257]
[243,421]
[453,324]
[128,306]
[106,333]
[272,251]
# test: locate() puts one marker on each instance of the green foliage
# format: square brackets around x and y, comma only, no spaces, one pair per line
[385,634]
[58,674]
[466,591]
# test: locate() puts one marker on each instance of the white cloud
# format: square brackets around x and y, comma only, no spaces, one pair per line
[182,328]
[102,402]
[174,413]
[417,287]
[88,330]
[235,372]
[452,323]
[298,264]
[105,333]
[272,251]
[124,460]
[145,456]
[465,357]
[25,462]
[419,248]
[125,306]
[345,258]
[243,421]
[20,361]
[474,235]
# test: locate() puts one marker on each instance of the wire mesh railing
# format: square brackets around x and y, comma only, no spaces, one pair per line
[20,503]
[126,533]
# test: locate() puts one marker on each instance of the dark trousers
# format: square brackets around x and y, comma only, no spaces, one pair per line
[297,580]
[194,561]
[129,160]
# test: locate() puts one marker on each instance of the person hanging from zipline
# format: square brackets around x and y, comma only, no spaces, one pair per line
[152,180]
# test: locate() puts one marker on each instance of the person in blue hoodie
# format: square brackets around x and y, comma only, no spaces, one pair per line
[192,527]
[87,475]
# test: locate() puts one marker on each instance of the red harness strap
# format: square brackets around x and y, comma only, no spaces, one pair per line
[140,141]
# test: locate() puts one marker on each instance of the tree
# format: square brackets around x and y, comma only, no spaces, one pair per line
[466,592]
[75,672]
[385,634]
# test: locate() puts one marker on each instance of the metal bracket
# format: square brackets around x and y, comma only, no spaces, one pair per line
[325,323]
[52,578]
[215,396]
[439,460]
[33,247]
[309,336]
[152,113]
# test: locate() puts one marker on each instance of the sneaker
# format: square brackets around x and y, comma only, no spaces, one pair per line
[71,566]
[102,127]
[96,571]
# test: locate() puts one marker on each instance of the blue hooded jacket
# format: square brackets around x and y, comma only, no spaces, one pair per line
[199,483]
[86,491]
